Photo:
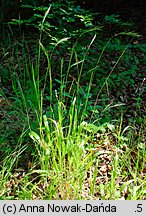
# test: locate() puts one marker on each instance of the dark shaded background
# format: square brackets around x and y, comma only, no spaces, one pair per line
[132,11]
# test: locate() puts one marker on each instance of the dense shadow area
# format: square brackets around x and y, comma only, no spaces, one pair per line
[131,11]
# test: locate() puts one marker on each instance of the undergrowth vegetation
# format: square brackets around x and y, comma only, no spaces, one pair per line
[72,106]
